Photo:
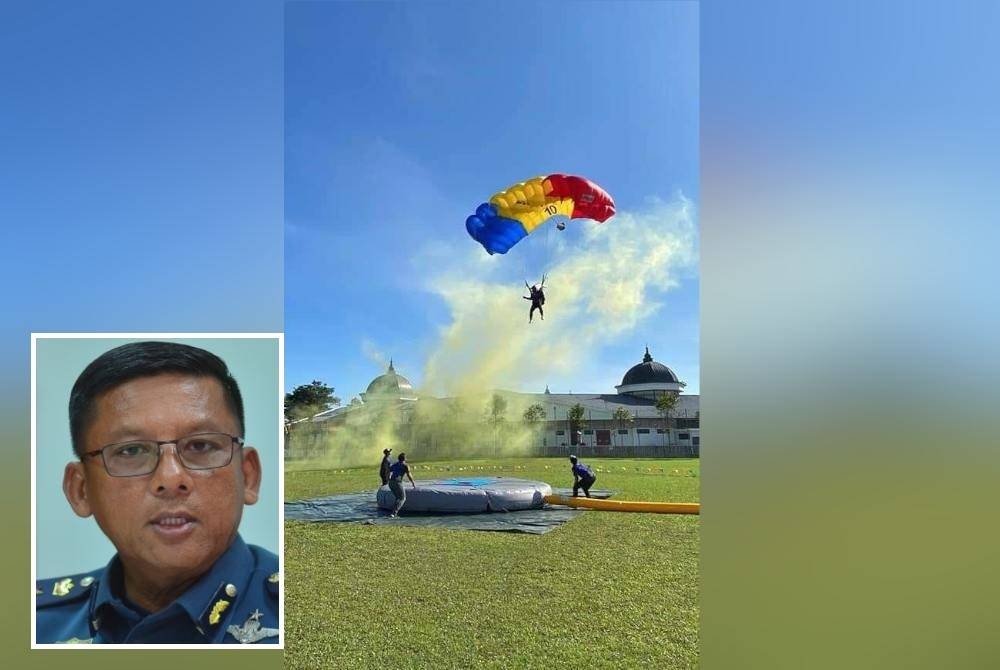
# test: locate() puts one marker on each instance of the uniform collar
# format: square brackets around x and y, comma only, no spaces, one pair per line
[204,603]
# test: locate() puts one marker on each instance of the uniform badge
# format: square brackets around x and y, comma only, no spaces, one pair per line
[62,587]
[217,610]
[251,631]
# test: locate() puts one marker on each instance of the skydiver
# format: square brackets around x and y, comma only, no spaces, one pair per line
[537,299]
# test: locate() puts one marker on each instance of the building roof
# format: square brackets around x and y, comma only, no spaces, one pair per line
[649,372]
[391,384]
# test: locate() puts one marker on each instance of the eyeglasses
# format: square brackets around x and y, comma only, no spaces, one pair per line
[203,451]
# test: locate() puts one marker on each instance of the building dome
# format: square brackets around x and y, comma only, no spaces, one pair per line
[649,372]
[391,385]
[649,379]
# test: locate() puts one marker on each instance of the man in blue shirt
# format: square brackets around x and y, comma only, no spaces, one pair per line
[158,430]
[396,472]
[583,477]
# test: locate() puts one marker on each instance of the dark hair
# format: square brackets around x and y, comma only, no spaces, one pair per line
[144,359]
[402,456]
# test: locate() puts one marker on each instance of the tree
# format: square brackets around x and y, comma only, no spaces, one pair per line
[533,416]
[575,416]
[665,405]
[309,399]
[622,417]
[496,412]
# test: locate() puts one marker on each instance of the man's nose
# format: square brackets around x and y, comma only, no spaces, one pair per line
[170,474]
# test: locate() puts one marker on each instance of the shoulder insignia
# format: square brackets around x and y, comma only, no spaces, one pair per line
[65,590]
[251,631]
[217,611]
[273,584]
[62,587]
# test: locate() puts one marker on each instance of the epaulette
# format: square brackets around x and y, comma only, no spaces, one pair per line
[273,583]
[49,592]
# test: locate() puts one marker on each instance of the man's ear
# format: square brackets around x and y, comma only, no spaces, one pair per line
[250,463]
[75,488]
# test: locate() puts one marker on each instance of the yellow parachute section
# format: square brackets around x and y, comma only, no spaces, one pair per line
[530,203]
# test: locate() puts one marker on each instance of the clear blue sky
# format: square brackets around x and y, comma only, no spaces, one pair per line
[401,119]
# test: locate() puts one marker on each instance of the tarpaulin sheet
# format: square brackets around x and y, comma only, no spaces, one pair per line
[361,508]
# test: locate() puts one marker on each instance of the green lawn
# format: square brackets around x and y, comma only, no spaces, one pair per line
[606,590]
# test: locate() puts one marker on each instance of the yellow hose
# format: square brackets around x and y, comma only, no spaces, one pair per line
[625,505]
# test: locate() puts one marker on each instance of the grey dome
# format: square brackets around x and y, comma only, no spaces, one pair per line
[649,372]
[391,383]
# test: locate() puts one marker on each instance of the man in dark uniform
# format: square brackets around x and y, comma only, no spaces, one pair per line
[158,430]
[383,470]
[583,477]
[537,299]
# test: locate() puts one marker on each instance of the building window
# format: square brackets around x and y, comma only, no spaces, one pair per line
[684,436]
[661,431]
[696,440]
[642,431]
[588,432]
[622,431]
[560,432]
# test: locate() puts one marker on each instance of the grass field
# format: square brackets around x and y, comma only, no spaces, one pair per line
[606,590]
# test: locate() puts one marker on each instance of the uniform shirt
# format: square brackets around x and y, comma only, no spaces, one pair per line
[582,471]
[235,602]
[383,469]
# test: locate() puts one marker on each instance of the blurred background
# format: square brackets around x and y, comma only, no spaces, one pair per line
[849,310]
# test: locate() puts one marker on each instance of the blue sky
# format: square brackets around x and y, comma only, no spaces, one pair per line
[400,120]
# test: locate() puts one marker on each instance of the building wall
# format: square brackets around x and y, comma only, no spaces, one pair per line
[641,434]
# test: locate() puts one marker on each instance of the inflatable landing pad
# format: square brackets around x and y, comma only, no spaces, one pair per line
[473,495]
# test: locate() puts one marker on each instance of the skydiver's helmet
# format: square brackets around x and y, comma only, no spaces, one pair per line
[561,226]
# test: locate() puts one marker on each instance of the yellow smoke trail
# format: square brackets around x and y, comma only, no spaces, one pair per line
[606,285]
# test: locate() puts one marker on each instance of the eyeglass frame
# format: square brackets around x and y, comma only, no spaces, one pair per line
[236,441]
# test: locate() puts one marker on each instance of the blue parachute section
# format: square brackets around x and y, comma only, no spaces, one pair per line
[496,233]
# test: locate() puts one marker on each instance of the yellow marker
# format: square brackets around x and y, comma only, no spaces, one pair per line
[217,610]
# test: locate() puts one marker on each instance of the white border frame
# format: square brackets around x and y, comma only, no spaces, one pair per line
[280,337]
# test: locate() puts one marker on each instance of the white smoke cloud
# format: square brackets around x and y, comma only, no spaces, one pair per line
[373,353]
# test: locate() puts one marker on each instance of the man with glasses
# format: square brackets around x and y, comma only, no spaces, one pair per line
[157,428]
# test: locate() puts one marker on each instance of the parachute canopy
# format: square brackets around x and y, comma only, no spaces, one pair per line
[512,214]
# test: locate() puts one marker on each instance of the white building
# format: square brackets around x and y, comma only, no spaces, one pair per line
[625,423]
